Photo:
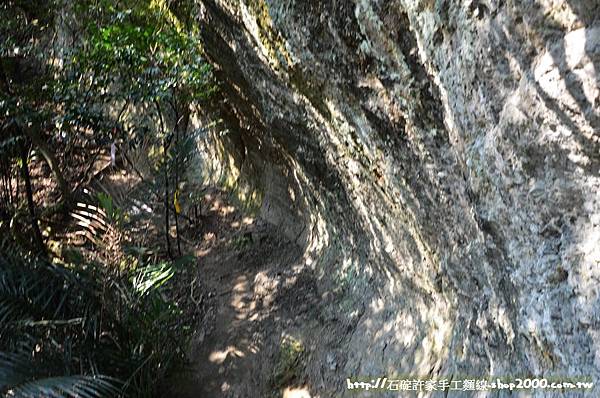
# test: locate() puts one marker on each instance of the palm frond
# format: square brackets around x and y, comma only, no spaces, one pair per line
[43,293]
[15,368]
[66,386]
[18,378]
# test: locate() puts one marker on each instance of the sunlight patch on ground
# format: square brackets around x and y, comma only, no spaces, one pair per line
[209,236]
[227,210]
[203,252]
[222,209]
[219,357]
[225,387]
[241,284]
[296,393]
[240,300]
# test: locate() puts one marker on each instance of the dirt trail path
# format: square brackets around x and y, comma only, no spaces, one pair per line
[258,297]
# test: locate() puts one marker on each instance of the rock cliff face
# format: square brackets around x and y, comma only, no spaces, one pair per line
[438,161]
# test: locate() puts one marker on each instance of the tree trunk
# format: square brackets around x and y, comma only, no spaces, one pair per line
[49,157]
[167,222]
[37,235]
[180,129]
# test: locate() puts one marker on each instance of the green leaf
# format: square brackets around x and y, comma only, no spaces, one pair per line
[152,277]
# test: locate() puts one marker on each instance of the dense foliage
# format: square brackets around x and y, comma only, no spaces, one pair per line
[76,78]
[84,327]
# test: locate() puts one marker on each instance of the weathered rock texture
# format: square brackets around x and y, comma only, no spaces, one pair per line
[439,162]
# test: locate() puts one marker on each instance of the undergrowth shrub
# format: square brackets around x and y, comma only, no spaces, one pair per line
[83,331]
